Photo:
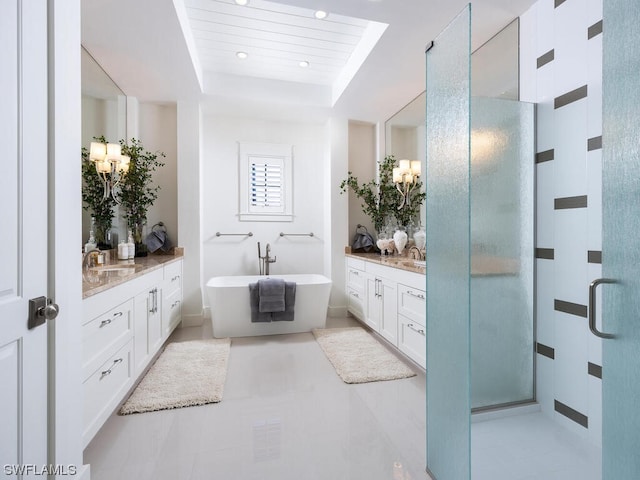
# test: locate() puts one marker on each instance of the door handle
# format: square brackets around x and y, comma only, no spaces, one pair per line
[592,307]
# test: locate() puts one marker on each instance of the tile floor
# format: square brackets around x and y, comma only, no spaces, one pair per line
[287,415]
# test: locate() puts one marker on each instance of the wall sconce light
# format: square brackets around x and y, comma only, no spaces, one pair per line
[111,166]
[405,176]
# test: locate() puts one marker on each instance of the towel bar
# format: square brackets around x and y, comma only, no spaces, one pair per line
[296,234]
[218,234]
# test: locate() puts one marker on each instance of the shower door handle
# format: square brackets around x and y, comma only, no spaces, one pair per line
[592,307]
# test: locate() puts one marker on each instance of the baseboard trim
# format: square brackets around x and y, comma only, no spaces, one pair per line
[336,312]
[192,320]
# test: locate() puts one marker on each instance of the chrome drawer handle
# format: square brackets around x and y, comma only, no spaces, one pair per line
[177,302]
[177,277]
[420,331]
[108,321]
[355,294]
[106,373]
[417,295]
[355,272]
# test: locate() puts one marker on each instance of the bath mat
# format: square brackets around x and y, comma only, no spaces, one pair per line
[185,374]
[358,357]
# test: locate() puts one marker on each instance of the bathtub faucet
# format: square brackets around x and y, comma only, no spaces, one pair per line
[266,260]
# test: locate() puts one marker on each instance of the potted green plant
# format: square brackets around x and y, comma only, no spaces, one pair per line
[137,191]
[382,200]
[93,199]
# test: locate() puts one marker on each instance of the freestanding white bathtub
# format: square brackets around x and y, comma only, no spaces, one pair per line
[231,313]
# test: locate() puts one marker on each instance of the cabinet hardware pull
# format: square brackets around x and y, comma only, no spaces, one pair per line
[417,295]
[417,330]
[105,322]
[177,302]
[105,373]
[175,278]
[355,272]
[355,294]
[117,314]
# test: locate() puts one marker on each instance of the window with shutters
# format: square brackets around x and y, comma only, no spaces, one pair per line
[265,182]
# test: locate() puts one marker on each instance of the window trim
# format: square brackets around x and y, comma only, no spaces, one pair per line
[282,153]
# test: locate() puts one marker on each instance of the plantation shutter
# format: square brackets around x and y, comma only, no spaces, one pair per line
[266,188]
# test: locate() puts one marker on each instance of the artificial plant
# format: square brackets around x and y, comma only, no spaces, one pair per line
[93,198]
[137,191]
[381,199]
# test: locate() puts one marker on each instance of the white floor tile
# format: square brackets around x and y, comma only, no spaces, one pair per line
[286,415]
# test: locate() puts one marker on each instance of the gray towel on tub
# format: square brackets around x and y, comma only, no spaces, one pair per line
[271,295]
[254,303]
[289,301]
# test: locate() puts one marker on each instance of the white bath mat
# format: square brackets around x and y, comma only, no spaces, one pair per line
[358,357]
[185,374]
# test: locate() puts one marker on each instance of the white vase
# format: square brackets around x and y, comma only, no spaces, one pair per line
[400,239]
[420,238]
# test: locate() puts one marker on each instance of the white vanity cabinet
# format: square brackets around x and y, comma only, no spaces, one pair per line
[381,314]
[390,301]
[356,281]
[412,337]
[123,328]
[171,298]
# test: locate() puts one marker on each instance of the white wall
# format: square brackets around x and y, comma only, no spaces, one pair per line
[568,166]
[362,164]
[219,176]
[157,130]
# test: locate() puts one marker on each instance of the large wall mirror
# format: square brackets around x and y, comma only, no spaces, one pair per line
[104,112]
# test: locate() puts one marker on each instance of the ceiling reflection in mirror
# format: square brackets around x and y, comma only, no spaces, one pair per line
[103,103]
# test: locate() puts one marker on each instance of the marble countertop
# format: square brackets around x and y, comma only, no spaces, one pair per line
[403,262]
[481,265]
[99,279]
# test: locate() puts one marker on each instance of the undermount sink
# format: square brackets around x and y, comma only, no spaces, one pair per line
[121,270]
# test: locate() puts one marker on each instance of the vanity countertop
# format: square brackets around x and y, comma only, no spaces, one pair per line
[403,262]
[112,274]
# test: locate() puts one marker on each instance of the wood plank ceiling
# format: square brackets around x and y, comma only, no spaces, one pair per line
[275,37]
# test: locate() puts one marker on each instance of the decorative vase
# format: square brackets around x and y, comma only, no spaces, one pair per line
[400,239]
[138,237]
[420,238]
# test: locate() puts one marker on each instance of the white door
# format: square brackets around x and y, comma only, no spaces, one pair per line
[23,240]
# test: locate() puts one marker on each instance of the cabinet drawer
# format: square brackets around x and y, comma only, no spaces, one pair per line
[412,304]
[171,312]
[173,277]
[356,279]
[104,389]
[356,263]
[103,333]
[355,303]
[412,340]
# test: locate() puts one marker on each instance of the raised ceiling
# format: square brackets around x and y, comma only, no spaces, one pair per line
[172,50]
[281,42]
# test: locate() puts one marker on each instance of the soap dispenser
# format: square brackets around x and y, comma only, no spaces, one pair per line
[91,243]
[131,246]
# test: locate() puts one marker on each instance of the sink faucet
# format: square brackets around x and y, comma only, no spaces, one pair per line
[420,255]
[266,260]
[86,259]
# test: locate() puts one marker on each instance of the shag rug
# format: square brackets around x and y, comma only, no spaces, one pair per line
[358,357]
[185,374]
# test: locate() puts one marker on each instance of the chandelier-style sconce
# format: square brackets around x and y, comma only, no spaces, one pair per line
[405,176]
[111,166]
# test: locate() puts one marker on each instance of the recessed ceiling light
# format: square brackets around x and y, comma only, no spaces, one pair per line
[304,64]
[320,14]
[242,55]
[242,2]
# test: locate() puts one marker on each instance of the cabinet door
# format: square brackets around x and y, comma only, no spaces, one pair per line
[372,313]
[388,323]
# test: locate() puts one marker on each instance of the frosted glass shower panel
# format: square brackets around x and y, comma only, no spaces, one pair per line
[620,242]
[502,251]
[447,220]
